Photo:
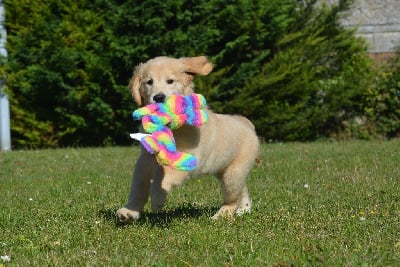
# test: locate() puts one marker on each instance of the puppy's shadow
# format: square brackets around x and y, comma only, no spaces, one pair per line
[163,218]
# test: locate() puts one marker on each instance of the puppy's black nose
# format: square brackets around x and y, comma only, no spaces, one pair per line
[159,98]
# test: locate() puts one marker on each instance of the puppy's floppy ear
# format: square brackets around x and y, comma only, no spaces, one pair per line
[196,65]
[134,85]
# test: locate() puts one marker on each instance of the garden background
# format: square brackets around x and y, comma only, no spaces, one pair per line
[287,65]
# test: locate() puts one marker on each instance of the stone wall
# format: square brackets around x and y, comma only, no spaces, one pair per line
[378,21]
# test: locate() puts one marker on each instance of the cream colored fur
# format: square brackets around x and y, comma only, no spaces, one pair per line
[227,146]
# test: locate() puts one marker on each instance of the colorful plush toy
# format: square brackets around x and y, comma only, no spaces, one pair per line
[159,119]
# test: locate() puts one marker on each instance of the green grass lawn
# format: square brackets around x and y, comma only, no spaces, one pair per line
[331,204]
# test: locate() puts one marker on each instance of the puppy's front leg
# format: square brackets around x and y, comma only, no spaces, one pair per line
[140,187]
[165,178]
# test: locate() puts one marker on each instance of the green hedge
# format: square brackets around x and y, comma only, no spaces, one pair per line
[64,91]
[287,66]
[382,103]
[314,82]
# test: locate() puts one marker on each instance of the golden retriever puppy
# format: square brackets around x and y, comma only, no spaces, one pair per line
[226,146]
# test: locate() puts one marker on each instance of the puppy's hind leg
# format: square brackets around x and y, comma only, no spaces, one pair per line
[235,192]
[244,204]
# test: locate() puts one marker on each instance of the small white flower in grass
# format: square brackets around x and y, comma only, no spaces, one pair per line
[89,182]
[362,216]
[6,258]
[97,222]
[30,199]
[4,244]
[306,186]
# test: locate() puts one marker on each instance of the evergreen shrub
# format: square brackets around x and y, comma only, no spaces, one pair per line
[287,65]
[382,101]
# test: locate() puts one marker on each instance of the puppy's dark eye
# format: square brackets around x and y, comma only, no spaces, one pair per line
[170,81]
[150,82]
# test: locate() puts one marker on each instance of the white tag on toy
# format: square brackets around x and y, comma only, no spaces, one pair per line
[138,136]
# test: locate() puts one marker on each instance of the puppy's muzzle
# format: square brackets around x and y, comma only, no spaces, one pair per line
[159,98]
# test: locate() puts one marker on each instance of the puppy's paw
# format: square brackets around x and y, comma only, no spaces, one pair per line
[125,215]
[226,211]
[241,211]
[244,207]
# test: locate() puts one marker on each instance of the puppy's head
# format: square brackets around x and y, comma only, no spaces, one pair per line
[161,77]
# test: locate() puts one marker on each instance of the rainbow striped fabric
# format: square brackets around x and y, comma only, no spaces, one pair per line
[159,119]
